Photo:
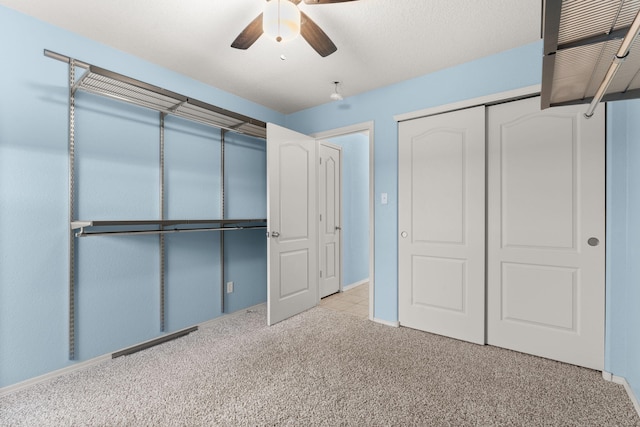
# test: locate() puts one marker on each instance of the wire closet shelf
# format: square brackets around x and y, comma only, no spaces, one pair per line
[107,83]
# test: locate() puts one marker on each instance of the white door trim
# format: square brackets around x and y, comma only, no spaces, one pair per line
[363,127]
[510,95]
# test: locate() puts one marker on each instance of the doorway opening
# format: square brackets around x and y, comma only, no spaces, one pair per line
[356,290]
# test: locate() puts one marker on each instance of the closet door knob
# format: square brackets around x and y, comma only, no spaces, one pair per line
[338,228]
[275,234]
[593,241]
[404,234]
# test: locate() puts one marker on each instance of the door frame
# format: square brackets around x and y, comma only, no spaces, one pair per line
[487,100]
[340,219]
[347,130]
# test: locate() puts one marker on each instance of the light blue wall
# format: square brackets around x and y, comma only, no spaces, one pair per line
[512,69]
[508,70]
[245,197]
[118,178]
[623,234]
[122,273]
[355,206]
[192,159]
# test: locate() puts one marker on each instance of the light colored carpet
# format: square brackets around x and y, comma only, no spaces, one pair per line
[321,368]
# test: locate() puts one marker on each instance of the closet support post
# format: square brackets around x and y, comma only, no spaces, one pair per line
[222,216]
[161,235]
[72,240]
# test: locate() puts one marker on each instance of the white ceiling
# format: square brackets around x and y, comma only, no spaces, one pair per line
[379,42]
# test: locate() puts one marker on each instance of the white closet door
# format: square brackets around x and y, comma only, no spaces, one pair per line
[546,236]
[441,247]
[292,222]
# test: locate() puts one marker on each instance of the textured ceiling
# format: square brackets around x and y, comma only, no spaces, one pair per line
[379,42]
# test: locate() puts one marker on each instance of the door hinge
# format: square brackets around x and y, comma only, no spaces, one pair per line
[321,274]
[320,217]
[320,160]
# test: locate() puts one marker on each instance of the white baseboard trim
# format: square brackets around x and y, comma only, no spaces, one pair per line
[96,360]
[395,324]
[53,374]
[623,381]
[345,288]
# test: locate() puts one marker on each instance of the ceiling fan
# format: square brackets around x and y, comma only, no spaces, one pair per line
[308,29]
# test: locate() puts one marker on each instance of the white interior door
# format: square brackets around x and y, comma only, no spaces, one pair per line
[330,201]
[546,249]
[441,247]
[292,223]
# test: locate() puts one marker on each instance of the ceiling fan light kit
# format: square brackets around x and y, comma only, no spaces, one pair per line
[281,20]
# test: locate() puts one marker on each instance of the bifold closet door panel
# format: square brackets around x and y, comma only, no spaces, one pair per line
[546,230]
[441,242]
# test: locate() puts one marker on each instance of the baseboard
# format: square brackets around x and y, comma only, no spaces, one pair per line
[395,324]
[623,381]
[96,360]
[53,374]
[353,285]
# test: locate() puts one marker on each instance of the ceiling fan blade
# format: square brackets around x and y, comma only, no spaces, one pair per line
[249,35]
[314,35]
[326,1]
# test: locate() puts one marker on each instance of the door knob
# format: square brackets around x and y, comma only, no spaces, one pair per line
[404,234]
[338,228]
[593,241]
[275,234]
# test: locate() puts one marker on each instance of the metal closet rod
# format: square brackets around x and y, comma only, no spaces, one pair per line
[621,55]
[82,233]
